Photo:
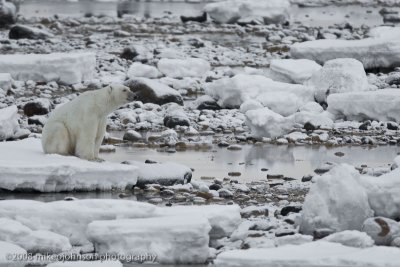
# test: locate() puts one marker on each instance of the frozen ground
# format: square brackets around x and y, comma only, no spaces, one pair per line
[246,139]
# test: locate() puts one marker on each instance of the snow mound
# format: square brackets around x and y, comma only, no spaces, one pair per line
[180,68]
[33,241]
[66,68]
[371,52]
[138,69]
[70,218]
[271,11]
[168,173]
[174,240]
[337,201]
[26,167]
[381,105]
[312,254]
[8,122]
[387,32]
[282,98]
[295,70]
[8,248]
[351,239]
[223,219]
[340,75]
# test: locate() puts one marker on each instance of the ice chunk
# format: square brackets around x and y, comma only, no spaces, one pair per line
[8,122]
[86,264]
[173,239]
[382,230]
[26,167]
[33,241]
[296,70]
[266,123]
[351,238]
[340,75]
[7,249]
[387,32]
[381,105]
[70,218]
[138,69]
[223,219]
[312,254]
[283,98]
[372,52]
[67,68]
[5,81]
[271,11]
[179,68]
[337,201]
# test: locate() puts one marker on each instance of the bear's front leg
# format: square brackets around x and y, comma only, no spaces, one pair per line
[85,145]
[101,130]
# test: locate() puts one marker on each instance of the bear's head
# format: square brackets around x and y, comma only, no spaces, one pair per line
[121,94]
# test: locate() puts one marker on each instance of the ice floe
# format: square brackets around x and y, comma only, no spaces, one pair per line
[295,70]
[8,122]
[179,68]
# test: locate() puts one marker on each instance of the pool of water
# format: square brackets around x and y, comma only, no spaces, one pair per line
[312,16]
[291,161]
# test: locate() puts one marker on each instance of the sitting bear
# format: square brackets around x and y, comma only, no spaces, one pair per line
[78,127]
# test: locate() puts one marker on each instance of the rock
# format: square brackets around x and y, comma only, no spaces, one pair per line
[206,102]
[364,126]
[234,147]
[284,232]
[132,136]
[340,75]
[321,233]
[392,126]
[351,239]
[215,187]
[26,32]
[254,211]
[150,91]
[201,19]
[381,230]
[39,106]
[324,205]
[8,13]
[307,178]
[129,53]
[308,126]
[37,120]
[288,209]
[225,193]
[339,154]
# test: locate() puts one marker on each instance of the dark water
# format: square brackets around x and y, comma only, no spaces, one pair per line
[312,16]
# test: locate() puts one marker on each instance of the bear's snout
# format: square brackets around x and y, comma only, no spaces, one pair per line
[132,96]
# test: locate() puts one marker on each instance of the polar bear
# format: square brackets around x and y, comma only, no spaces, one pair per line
[78,127]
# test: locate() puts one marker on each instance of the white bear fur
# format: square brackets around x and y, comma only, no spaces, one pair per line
[78,127]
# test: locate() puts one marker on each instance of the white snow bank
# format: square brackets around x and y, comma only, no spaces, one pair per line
[138,69]
[337,201]
[167,173]
[70,218]
[340,75]
[312,254]
[282,98]
[33,241]
[223,219]
[381,105]
[271,11]
[8,122]
[6,249]
[179,68]
[174,239]
[372,52]
[26,167]
[86,264]
[67,68]
[5,81]
[295,70]
[387,32]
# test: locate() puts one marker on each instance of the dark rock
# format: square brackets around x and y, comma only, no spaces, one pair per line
[234,173]
[275,176]
[392,126]
[223,144]
[147,94]
[167,193]
[207,102]
[196,42]
[172,121]
[132,136]
[286,210]
[392,18]
[364,126]
[37,120]
[339,154]
[306,178]
[308,126]
[129,53]
[215,187]
[264,169]
[40,106]
[321,233]
[201,19]
[8,13]
[149,161]
[25,32]
[225,193]
[284,232]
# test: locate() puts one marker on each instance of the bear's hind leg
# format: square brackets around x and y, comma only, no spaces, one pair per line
[56,140]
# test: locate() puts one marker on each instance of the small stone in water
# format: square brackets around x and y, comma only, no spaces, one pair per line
[225,193]
[149,161]
[307,178]
[339,154]
[234,173]
[264,169]
[275,176]
[234,147]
